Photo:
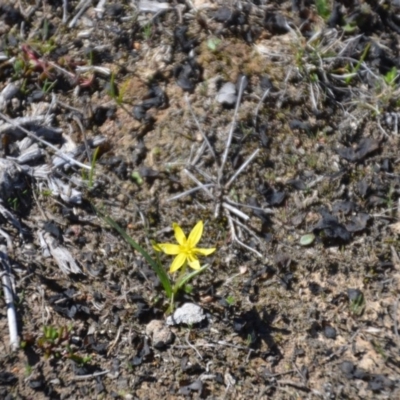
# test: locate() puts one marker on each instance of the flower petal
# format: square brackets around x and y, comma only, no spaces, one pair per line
[168,248]
[178,262]
[195,235]
[203,252]
[193,262]
[156,247]
[179,235]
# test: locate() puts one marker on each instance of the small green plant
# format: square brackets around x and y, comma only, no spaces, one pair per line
[314,77]
[379,349]
[185,252]
[188,289]
[350,27]
[354,70]
[89,176]
[19,67]
[55,342]
[113,91]
[80,360]
[47,86]
[13,202]
[323,8]
[147,31]
[249,340]
[91,57]
[213,44]
[299,57]
[46,192]
[51,340]
[357,305]
[45,30]
[28,369]
[135,175]
[391,76]
[390,198]
[230,300]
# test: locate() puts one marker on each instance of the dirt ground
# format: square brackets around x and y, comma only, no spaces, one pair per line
[273,122]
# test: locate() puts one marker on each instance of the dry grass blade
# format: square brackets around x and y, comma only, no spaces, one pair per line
[241,168]
[190,191]
[200,130]
[232,128]
[45,142]
[60,254]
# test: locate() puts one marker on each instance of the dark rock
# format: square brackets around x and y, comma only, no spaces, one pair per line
[354,294]
[297,184]
[275,23]
[7,378]
[181,39]
[330,332]
[336,15]
[345,207]
[139,112]
[359,373]
[358,223]
[187,75]
[265,83]
[10,15]
[54,230]
[272,196]
[223,14]
[347,367]
[331,228]
[36,384]
[364,148]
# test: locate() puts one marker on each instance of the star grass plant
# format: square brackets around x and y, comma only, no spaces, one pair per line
[185,251]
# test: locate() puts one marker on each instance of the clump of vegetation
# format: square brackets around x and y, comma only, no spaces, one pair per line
[186,254]
[55,342]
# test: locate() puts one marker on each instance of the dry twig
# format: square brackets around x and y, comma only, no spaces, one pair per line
[8,289]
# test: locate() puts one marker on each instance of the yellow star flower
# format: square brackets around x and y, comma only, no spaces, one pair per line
[186,250]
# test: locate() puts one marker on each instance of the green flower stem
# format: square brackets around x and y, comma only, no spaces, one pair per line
[182,272]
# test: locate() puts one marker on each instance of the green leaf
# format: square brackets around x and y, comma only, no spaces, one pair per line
[186,278]
[357,305]
[92,166]
[306,240]
[188,289]
[212,44]
[391,76]
[157,267]
[322,8]
[135,175]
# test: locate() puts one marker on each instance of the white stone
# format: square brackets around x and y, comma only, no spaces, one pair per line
[188,314]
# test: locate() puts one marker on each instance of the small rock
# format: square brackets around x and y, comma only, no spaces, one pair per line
[347,367]
[188,314]
[330,332]
[380,382]
[359,373]
[160,334]
[354,294]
